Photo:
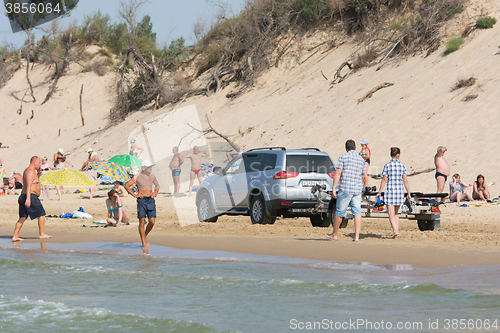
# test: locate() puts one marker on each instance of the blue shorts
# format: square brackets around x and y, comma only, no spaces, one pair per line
[344,200]
[176,172]
[34,211]
[146,207]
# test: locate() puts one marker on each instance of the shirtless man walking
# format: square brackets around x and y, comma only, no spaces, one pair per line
[145,196]
[175,166]
[29,203]
[442,169]
[195,157]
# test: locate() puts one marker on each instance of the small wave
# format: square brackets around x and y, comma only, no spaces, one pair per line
[24,315]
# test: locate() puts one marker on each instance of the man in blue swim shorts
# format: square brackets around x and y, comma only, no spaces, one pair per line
[146,206]
[175,166]
[29,203]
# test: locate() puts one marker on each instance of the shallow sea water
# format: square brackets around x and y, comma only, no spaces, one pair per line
[112,287]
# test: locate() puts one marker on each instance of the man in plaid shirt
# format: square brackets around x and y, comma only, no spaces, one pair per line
[350,169]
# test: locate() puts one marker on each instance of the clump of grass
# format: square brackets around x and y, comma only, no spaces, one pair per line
[396,26]
[462,83]
[454,44]
[455,9]
[486,22]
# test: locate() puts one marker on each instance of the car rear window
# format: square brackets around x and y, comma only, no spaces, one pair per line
[309,163]
[259,162]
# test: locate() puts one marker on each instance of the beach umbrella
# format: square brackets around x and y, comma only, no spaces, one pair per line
[67,178]
[110,170]
[126,160]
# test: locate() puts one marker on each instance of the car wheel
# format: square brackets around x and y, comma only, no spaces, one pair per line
[320,220]
[424,225]
[206,211]
[330,217]
[258,212]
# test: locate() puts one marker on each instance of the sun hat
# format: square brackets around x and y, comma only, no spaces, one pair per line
[146,163]
[60,150]
[364,142]
[89,150]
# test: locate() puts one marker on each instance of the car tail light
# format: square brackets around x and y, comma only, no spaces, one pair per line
[332,174]
[285,175]
[286,203]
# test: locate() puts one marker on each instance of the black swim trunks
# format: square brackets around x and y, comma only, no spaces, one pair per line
[35,210]
[146,207]
[176,172]
[439,174]
[367,161]
[19,185]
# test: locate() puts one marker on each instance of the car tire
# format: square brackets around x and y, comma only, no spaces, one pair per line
[205,209]
[424,225]
[330,217]
[258,211]
[320,220]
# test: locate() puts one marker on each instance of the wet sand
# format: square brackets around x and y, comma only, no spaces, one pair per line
[468,236]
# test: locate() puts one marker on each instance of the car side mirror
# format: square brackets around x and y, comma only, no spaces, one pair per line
[218,171]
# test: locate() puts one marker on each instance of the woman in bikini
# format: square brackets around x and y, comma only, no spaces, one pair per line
[44,168]
[117,215]
[59,163]
[135,150]
[481,191]
[366,154]
[457,192]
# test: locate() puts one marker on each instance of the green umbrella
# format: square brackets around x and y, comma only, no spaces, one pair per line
[126,160]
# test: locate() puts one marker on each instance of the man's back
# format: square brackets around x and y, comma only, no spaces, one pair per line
[352,166]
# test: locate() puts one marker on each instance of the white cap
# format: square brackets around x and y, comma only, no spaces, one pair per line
[15,171]
[364,142]
[89,150]
[146,163]
[60,150]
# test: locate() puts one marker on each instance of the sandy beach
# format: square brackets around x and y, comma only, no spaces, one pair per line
[468,235]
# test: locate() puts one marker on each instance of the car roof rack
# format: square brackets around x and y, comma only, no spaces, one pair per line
[267,148]
[316,149]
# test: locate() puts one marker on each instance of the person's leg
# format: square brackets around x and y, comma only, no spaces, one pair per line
[111,221]
[46,192]
[191,181]
[486,194]
[177,184]
[59,192]
[343,200]
[357,227]
[355,203]
[440,185]
[142,232]
[337,220]
[91,191]
[41,228]
[125,217]
[150,225]
[455,197]
[480,195]
[200,177]
[396,221]
[469,196]
[17,228]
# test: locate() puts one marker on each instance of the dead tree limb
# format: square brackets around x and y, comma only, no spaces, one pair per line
[323,75]
[210,129]
[371,92]
[285,48]
[318,45]
[81,107]
[338,75]
[388,54]
[22,100]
